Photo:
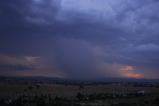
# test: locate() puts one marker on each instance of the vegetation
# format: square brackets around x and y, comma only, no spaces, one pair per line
[47,94]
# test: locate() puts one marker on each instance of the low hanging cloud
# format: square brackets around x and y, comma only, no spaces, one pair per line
[119,70]
[21,60]
[129,72]
[81,59]
[27,66]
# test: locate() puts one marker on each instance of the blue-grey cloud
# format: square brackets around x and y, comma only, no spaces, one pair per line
[84,38]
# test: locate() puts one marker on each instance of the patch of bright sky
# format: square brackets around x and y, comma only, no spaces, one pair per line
[106,8]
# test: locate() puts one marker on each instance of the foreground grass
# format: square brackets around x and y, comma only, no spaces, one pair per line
[75,95]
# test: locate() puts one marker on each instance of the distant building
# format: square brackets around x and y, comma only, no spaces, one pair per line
[141,92]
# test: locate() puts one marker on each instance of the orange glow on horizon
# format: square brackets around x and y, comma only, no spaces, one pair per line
[129,71]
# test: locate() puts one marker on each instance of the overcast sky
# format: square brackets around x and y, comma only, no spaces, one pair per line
[79,39]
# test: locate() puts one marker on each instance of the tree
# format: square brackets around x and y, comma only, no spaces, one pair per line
[80,96]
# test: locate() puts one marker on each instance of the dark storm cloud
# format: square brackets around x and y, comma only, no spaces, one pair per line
[84,38]
[27,66]
[77,58]
[15,67]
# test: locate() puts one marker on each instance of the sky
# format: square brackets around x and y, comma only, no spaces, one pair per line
[79,39]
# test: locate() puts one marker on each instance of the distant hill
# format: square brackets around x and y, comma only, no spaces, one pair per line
[40,79]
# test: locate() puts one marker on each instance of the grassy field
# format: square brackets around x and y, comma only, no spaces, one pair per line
[70,92]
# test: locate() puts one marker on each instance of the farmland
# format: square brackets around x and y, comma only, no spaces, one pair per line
[80,94]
